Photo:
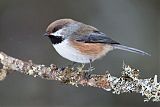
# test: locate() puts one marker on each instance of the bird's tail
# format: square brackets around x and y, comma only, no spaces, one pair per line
[126,48]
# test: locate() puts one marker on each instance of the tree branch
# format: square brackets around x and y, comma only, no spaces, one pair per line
[127,83]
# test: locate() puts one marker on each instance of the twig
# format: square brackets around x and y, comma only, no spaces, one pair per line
[127,83]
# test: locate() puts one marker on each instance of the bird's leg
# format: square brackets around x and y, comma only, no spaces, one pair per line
[87,74]
[90,66]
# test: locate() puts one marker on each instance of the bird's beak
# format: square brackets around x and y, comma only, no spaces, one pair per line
[49,34]
[46,34]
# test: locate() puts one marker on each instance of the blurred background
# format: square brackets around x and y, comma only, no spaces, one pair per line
[135,23]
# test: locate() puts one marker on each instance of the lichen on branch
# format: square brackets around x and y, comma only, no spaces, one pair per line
[127,83]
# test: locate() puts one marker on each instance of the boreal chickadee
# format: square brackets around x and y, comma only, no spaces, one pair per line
[82,43]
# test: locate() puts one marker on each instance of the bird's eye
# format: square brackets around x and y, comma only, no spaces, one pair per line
[56,28]
[96,31]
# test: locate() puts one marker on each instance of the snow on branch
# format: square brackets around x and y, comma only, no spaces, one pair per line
[127,83]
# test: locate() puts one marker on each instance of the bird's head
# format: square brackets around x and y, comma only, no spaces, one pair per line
[59,30]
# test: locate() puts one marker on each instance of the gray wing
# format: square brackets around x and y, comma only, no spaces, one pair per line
[96,37]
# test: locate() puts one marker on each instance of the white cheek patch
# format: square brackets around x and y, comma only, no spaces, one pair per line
[58,33]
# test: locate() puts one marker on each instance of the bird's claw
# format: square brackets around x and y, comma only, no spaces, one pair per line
[90,69]
[87,75]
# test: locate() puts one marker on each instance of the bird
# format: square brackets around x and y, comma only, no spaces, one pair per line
[82,43]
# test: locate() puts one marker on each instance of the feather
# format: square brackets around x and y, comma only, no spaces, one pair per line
[126,48]
[96,37]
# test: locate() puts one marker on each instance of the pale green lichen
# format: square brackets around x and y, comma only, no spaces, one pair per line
[1,56]
[3,74]
[30,72]
[128,82]
[150,88]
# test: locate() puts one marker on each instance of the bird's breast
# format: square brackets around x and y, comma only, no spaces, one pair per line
[78,52]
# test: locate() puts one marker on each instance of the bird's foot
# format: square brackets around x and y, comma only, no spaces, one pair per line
[88,72]
[87,75]
[90,69]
